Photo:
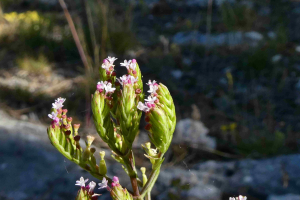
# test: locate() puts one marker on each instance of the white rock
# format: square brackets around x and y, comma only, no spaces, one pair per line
[193,132]
[276,58]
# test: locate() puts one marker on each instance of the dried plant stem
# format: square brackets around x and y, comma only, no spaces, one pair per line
[75,35]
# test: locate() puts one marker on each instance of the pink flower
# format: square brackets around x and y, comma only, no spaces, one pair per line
[103,184]
[143,107]
[53,116]
[101,85]
[133,64]
[58,103]
[109,88]
[130,64]
[150,99]
[126,64]
[153,86]
[111,59]
[106,65]
[127,79]
[115,181]
[91,186]
[105,86]
[81,182]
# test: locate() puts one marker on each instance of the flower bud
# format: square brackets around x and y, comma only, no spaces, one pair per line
[117,192]
[76,127]
[127,113]
[102,164]
[102,120]
[162,119]
[145,179]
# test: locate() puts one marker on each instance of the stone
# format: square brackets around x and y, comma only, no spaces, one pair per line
[173,180]
[284,197]
[194,133]
[230,39]
[272,176]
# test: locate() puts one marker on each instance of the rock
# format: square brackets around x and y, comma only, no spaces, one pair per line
[284,197]
[276,58]
[194,133]
[177,74]
[230,39]
[187,184]
[278,175]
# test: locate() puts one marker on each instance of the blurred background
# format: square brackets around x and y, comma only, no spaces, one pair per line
[232,67]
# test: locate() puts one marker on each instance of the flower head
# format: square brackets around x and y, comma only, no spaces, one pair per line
[58,103]
[133,64]
[108,64]
[127,79]
[103,184]
[111,59]
[130,64]
[91,186]
[101,85]
[126,64]
[109,88]
[81,182]
[143,107]
[115,181]
[53,116]
[153,86]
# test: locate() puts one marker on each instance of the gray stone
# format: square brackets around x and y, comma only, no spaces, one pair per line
[278,175]
[284,197]
[223,39]
[199,189]
[194,133]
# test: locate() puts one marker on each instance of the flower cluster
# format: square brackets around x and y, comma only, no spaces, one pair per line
[89,189]
[152,98]
[57,106]
[130,65]
[107,86]
[108,65]
[238,198]
[127,79]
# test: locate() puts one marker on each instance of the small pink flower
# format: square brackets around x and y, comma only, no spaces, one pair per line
[53,116]
[101,86]
[109,88]
[127,79]
[133,65]
[143,107]
[103,184]
[151,99]
[126,64]
[91,186]
[111,59]
[153,86]
[58,103]
[115,179]
[81,182]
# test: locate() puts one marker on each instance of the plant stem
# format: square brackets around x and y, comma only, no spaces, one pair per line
[129,162]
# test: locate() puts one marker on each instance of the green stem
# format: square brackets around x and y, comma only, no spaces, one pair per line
[129,164]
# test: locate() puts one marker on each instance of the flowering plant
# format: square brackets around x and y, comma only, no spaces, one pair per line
[117,106]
